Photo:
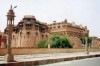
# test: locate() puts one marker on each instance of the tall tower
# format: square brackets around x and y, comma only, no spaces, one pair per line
[10,20]
[10,25]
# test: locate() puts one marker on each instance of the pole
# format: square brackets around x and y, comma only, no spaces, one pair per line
[10,18]
[87,47]
[9,56]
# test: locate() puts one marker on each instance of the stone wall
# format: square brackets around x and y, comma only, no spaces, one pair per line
[3,40]
[76,42]
[23,51]
[95,42]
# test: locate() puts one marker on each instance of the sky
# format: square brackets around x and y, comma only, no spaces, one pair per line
[85,12]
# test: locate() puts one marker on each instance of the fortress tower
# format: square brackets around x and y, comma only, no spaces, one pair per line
[10,21]
[29,32]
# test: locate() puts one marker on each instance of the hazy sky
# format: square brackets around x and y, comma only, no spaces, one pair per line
[85,12]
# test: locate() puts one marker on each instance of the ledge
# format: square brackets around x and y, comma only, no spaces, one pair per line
[47,61]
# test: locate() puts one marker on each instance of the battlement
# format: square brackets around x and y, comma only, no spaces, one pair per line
[68,24]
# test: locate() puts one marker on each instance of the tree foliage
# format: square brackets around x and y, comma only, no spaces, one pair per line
[42,44]
[60,42]
[83,41]
[89,40]
[56,41]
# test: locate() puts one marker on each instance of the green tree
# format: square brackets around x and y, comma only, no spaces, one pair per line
[83,41]
[65,42]
[60,42]
[89,41]
[42,44]
[56,41]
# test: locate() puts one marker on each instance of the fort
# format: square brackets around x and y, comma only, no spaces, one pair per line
[29,31]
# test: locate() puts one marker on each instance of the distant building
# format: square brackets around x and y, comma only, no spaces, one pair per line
[68,29]
[3,40]
[95,42]
[28,32]
[73,31]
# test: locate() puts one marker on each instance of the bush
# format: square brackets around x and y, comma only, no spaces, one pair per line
[60,42]
[55,41]
[83,41]
[42,44]
[89,40]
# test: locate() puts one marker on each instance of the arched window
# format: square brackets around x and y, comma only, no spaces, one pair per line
[28,33]
[13,36]
[46,36]
[42,36]
[36,34]
[58,26]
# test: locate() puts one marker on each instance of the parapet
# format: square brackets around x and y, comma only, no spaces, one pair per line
[29,16]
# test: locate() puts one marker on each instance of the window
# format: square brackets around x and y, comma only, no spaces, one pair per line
[36,34]
[79,35]
[42,36]
[20,33]
[50,27]
[46,36]
[13,36]
[28,33]
[58,26]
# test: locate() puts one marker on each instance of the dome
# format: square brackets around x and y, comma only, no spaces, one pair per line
[29,16]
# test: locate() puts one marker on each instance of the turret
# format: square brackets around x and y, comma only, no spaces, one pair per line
[10,20]
[10,16]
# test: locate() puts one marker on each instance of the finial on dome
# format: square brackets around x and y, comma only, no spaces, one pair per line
[11,7]
[65,20]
